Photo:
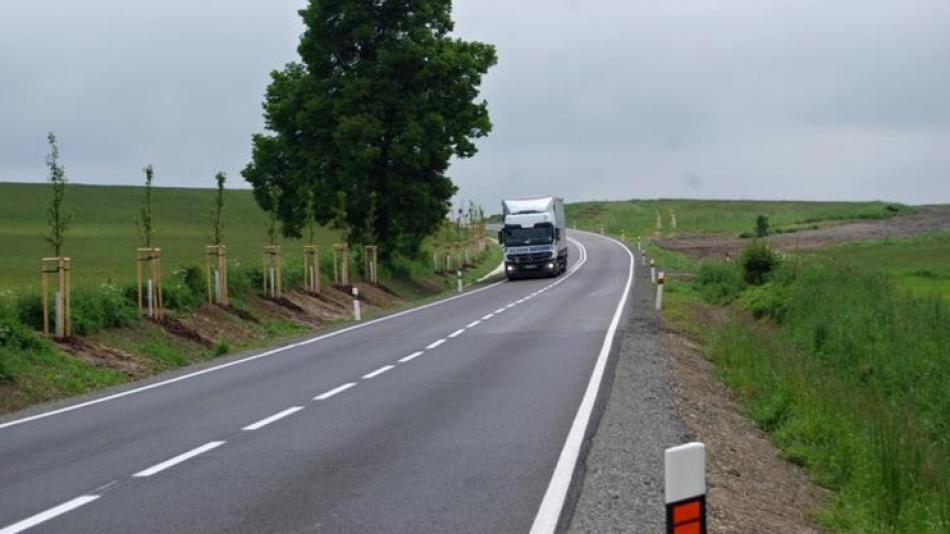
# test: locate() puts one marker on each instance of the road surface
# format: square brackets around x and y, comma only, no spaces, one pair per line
[461,416]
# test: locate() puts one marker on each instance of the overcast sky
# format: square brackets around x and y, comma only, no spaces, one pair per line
[591,99]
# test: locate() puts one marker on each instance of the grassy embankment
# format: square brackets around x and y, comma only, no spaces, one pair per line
[843,356]
[102,242]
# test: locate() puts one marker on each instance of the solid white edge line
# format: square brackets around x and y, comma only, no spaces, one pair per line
[45,516]
[277,416]
[549,512]
[435,344]
[334,391]
[487,317]
[335,333]
[183,457]
[378,372]
[499,310]
[473,324]
[457,333]
[411,357]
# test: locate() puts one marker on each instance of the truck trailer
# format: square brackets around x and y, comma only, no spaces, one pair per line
[534,237]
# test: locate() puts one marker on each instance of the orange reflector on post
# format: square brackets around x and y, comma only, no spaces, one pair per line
[687,517]
[686,511]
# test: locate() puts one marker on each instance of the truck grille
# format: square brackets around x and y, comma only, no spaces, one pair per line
[529,257]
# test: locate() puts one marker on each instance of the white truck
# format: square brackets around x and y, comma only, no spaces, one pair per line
[534,237]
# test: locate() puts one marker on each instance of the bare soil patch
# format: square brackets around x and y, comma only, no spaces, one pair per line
[178,328]
[101,355]
[287,309]
[751,487]
[927,219]
[216,324]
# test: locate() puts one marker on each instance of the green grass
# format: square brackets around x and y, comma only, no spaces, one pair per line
[851,380]
[103,237]
[102,241]
[920,264]
[638,217]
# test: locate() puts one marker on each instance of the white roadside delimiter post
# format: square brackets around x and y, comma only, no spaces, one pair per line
[659,291]
[356,304]
[685,495]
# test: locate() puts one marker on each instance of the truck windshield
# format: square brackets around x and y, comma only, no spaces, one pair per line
[539,235]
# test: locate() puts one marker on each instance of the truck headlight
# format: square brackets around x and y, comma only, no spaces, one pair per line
[550,265]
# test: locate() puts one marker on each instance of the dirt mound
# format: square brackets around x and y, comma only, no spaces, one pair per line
[927,219]
[242,313]
[286,309]
[377,295]
[108,357]
[217,324]
[318,306]
[178,328]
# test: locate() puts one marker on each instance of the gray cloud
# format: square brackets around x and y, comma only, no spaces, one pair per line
[594,99]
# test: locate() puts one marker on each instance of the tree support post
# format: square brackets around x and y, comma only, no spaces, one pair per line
[148,268]
[58,266]
[216,274]
[311,268]
[341,264]
[370,263]
[273,271]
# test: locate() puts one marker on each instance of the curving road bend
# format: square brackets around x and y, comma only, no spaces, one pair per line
[461,416]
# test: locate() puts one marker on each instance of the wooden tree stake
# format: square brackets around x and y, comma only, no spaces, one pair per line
[148,267]
[311,268]
[216,274]
[58,266]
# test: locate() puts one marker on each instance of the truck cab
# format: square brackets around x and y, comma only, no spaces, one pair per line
[533,237]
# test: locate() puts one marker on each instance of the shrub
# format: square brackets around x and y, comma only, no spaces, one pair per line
[762,226]
[13,333]
[243,280]
[185,289]
[95,309]
[758,262]
[718,282]
[767,300]
[222,348]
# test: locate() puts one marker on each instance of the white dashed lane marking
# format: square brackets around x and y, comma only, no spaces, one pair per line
[43,517]
[377,372]
[277,416]
[184,457]
[335,391]
[411,357]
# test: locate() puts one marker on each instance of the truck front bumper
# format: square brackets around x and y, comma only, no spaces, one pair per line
[532,268]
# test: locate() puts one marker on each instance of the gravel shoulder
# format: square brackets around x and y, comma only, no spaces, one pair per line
[664,393]
[623,484]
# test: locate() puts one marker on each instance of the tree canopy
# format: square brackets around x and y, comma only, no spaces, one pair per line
[381,100]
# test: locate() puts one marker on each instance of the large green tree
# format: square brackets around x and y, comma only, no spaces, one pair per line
[381,100]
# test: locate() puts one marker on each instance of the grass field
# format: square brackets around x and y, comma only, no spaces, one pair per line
[921,264]
[843,356]
[847,367]
[103,236]
[638,217]
[101,242]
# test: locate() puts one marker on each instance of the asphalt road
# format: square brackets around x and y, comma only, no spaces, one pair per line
[462,416]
